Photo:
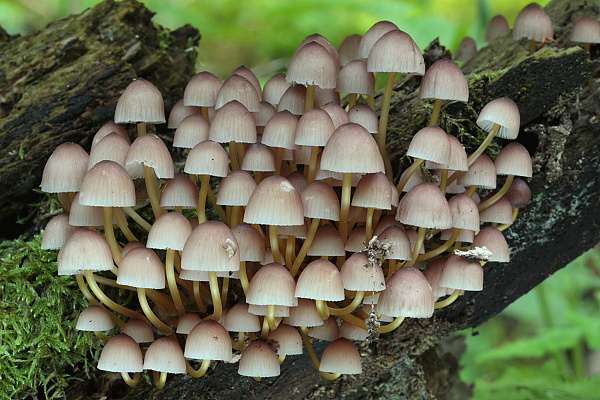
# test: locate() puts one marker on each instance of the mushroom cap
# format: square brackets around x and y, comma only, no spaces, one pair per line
[201,90]
[497,26]
[65,169]
[354,78]
[236,188]
[274,88]
[149,151]
[533,23]
[192,130]
[121,354]
[408,294]
[445,81]
[238,88]
[140,102]
[259,360]
[396,51]
[207,158]
[288,339]
[372,35]
[179,192]
[107,184]
[111,147]
[351,149]
[272,284]
[56,232]
[275,201]
[208,340]
[141,268]
[348,48]
[312,64]
[504,112]
[169,231]
[424,206]
[179,112]
[586,30]
[280,130]
[233,122]
[514,159]
[359,274]
[165,355]
[85,249]
[211,246]
[341,356]
[320,280]
[94,318]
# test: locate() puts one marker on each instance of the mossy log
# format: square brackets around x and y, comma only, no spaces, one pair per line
[557,92]
[61,84]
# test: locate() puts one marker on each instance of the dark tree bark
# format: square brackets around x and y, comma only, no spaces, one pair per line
[556,90]
[61,84]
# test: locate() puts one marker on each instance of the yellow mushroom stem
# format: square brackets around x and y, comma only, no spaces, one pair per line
[172,283]
[141,128]
[392,325]
[345,206]
[313,355]
[233,156]
[129,380]
[409,171]
[532,46]
[244,277]
[352,99]
[281,358]
[442,248]
[274,240]
[204,188]
[437,106]
[213,201]
[369,224]
[235,216]
[239,343]
[164,302]
[322,308]
[198,296]
[444,180]
[290,250]
[514,217]
[279,159]
[271,320]
[160,378]
[153,191]
[448,300]
[200,371]
[224,290]
[213,283]
[312,165]
[88,295]
[115,250]
[498,195]
[137,218]
[309,100]
[101,336]
[161,326]
[383,122]
[106,300]
[418,244]
[265,329]
[349,308]
[312,229]
[122,222]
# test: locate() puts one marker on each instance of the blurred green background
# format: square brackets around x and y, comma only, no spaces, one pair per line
[544,346]
[262,34]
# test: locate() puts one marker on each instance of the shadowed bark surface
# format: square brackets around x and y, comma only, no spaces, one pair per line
[560,128]
[61,84]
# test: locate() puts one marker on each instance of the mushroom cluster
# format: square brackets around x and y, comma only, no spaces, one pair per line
[307,237]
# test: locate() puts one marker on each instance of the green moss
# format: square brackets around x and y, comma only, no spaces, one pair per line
[38,312]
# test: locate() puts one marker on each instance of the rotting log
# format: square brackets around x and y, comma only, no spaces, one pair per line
[560,112]
[61,84]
